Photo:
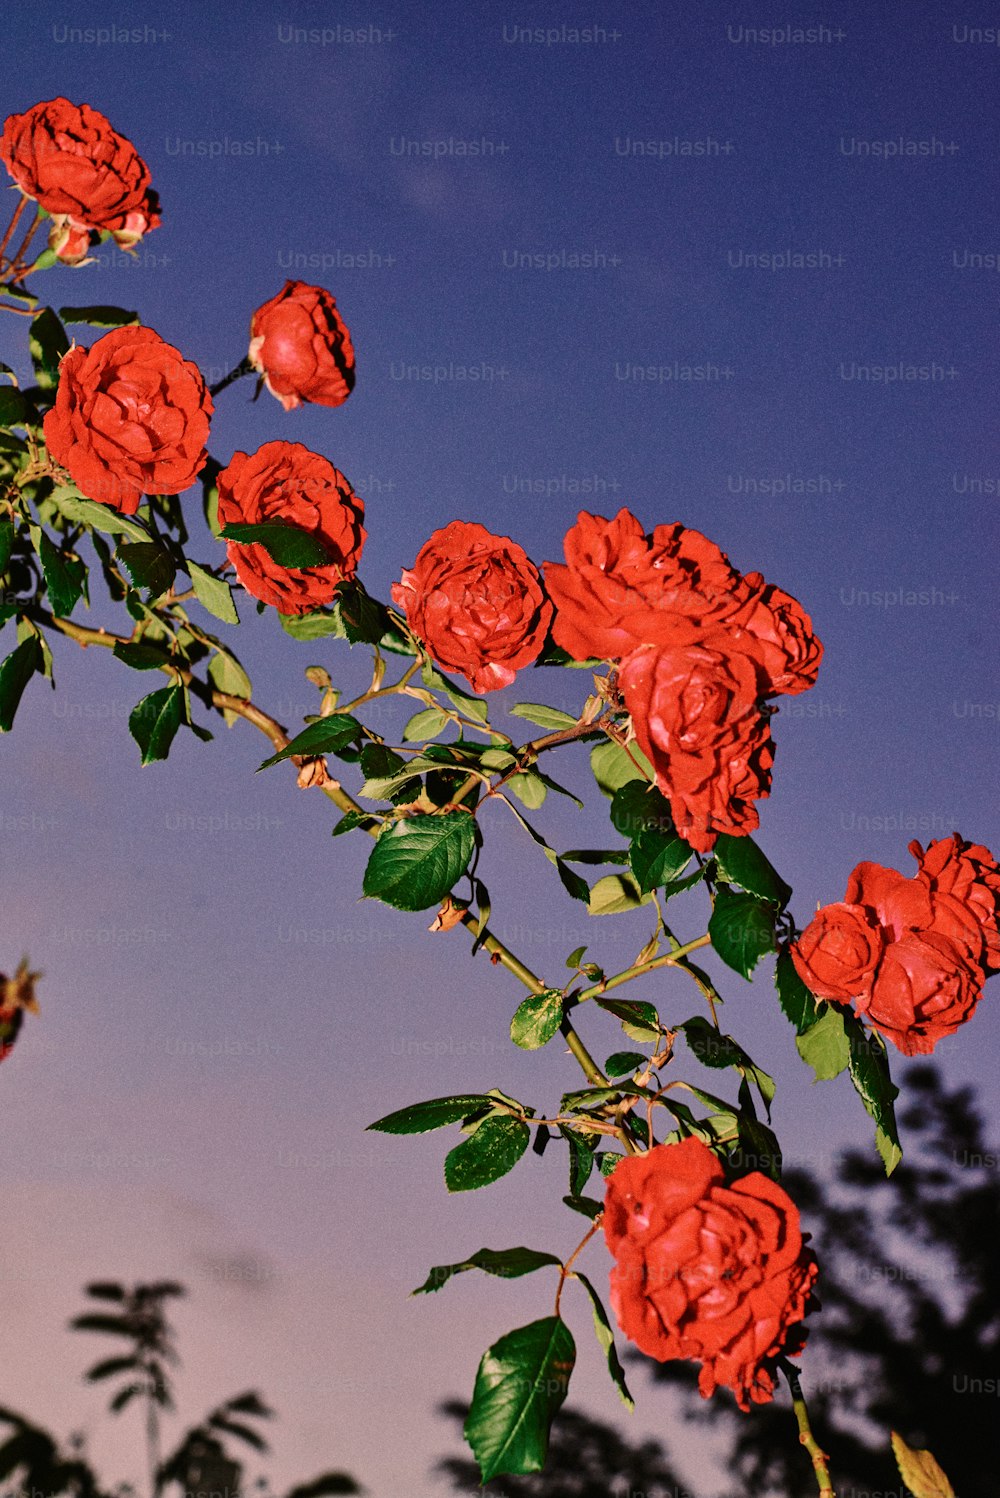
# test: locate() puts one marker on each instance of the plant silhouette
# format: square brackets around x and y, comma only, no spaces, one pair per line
[201,1465]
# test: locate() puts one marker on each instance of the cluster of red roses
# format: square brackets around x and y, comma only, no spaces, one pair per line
[913,954]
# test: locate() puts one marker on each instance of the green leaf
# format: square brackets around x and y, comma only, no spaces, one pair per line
[920,1470]
[615,893]
[7,536]
[47,342]
[65,577]
[379,762]
[319,625]
[613,768]
[624,1063]
[585,1205]
[15,673]
[571,881]
[658,858]
[507,1263]
[325,736]
[285,544]
[141,657]
[742,862]
[607,1162]
[799,1005]
[529,788]
[155,720]
[100,317]
[714,1049]
[573,960]
[824,1046]
[489,1153]
[352,819]
[426,724]
[742,930]
[213,594]
[14,409]
[636,805]
[537,1019]
[581,1159]
[521,1383]
[421,1118]
[102,517]
[365,619]
[546,717]
[869,1069]
[416,861]
[606,1337]
[639,1019]
[149,565]
[228,676]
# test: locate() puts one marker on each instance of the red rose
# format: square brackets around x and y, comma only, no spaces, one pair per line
[838,952]
[707,1270]
[284,481]
[131,417]
[780,638]
[620,588]
[695,714]
[82,172]
[923,990]
[477,603]
[301,345]
[897,903]
[955,870]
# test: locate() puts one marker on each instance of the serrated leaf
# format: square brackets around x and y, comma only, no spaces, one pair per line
[521,1383]
[416,861]
[624,1063]
[14,409]
[639,1019]
[352,819]
[426,724]
[318,625]
[658,858]
[365,619]
[213,594]
[552,718]
[47,342]
[741,862]
[228,676]
[149,565]
[529,788]
[615,893]
[141,657]
[102,517]
[507,1263]
[325,736]
[612,767]
[798,1004]
[869,1069]
[155,720]
[65,577]
[824,1046]
[636,805]
[585,1205]
[921,1472]
[742,930]
[537,1019]
[581,1159]
[606,1337]
[714,1049]
[15,673]
[421,1118]
[571,881]
[488,1154]
[100,317]
[285,544]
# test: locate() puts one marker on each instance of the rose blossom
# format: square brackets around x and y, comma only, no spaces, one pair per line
[285,482]
[82,172]
[131,417]
[923,990]
[707,1270]
[695,715]
[477,603]
[620,589]
[955,870]
[837,953]
[780,638]
[301,345]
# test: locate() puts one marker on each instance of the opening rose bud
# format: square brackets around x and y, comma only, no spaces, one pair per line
[301,345]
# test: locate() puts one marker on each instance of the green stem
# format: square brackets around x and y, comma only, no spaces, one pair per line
[669,959]
[372,693]
[808,1440]
[243,368]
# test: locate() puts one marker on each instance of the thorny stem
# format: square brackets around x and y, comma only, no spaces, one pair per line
[10,229]
[675,959]
[595,1227]
[17,264]
[808,1440]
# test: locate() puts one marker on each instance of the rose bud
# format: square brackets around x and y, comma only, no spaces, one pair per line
[838,952]
[301,346]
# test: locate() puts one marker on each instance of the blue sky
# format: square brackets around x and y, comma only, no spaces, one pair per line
[221,1016]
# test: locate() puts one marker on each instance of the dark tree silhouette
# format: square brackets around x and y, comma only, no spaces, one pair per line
[587,1459]
[908,1337]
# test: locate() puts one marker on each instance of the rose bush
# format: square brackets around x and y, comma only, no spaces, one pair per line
[87,176]
[301,346]
[477,603]
[706,1269]
[131,417]
[285,482]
